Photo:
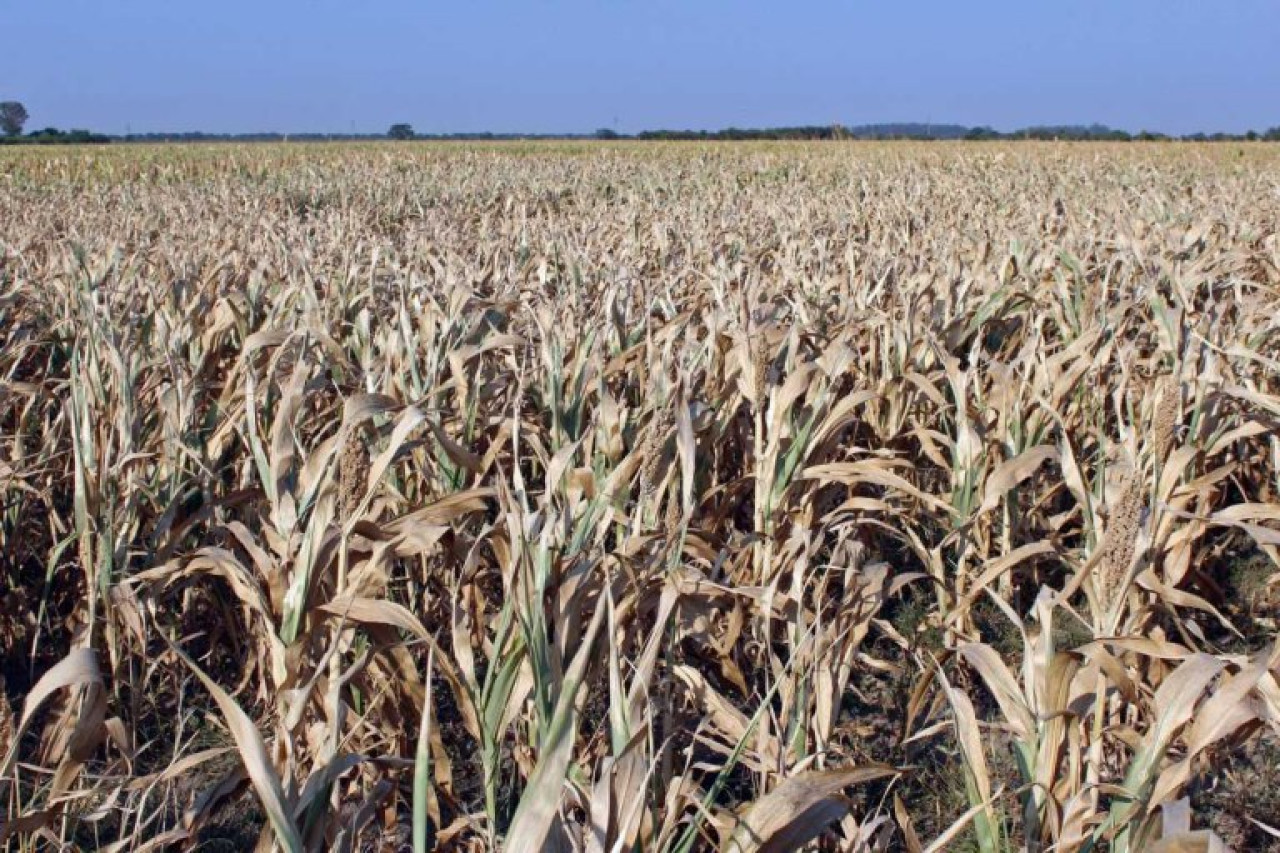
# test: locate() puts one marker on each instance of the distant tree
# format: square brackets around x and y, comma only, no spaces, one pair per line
[606,133]
[400,131]
[979,133]
[13,116]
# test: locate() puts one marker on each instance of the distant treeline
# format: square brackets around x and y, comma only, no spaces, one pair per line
[907,130]
[53,136]
[835,131]
[1093,132]
[198,136]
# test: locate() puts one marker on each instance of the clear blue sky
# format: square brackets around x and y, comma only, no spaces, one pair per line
[546,66]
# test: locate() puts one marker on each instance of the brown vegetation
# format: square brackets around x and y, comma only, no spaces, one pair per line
[616,497]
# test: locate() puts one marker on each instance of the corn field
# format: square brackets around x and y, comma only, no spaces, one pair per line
[621,497]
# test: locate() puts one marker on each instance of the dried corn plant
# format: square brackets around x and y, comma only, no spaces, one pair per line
[668,497]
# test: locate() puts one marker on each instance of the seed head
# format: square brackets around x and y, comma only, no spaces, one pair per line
[759,364]
[1120,540]
[671,522]
[651,449]
[1165,418]
[353,474]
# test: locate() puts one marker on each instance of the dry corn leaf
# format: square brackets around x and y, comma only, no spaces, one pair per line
[797,810]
